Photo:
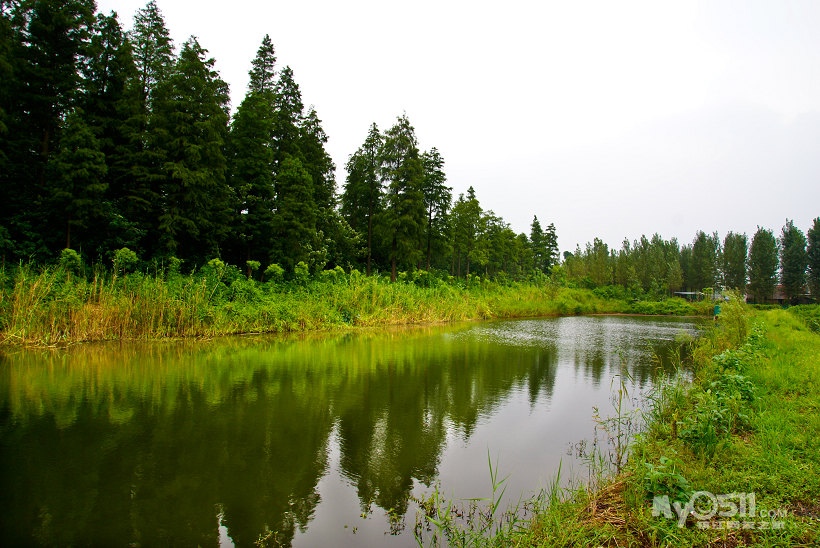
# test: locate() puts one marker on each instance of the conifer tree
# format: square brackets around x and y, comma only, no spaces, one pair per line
[48,45]
[251,161]
[361,201]
[551,247]
[437,199]
[296,235]
[403,214]
[735,250]
[813,255]
[537,244]
[77,183]
[153,53]
[793,260]
[704,266]
[288,115]
[468,232]
[189,124]
[762,265]
[109,101]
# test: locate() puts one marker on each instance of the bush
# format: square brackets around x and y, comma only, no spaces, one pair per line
[253,266]
[124,261]
[301,273]
[274,273]
[70,261]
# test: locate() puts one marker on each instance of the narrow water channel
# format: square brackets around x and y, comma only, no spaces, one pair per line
[313,441]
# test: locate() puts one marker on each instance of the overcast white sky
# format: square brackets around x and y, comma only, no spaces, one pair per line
[610,119]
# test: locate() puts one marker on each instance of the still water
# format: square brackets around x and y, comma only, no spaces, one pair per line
[319,440]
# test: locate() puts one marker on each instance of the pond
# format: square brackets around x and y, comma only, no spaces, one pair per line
[313,440]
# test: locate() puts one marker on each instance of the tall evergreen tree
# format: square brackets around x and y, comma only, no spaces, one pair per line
[735,250]
[403,215]
[189,124]
[361,201]
[762,265]
[317,161]
[538,245]
[598,266]
[77,181]
[251,161]
[288,116]
[705,253]
[551,246]
[813,253]
[296,235]
[8,40]
[336,235]
[793,260]
[437,199]
[109,102]
[49,43]
[153,53]
[468,232]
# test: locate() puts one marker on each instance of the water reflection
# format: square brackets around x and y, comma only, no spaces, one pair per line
[169,443]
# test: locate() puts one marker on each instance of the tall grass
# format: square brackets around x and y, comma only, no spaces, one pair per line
[53,306]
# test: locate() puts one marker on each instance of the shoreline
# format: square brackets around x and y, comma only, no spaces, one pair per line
[742,426]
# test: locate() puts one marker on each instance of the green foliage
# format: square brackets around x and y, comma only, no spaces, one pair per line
[402,219]
[809,314]
[124,261]
[252,267]
[813,258]
[735,250]
[793,260]
[665,479]
[295,222]
[704,269]
[301,273]
[274,273]
[762,265]
[361,201]
[672,306]
[332,276]
[195,211]
[70,261]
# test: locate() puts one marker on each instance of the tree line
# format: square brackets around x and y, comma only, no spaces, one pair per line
[112,140]
[662,267]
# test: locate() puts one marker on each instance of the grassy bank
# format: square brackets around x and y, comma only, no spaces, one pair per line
[54,306]
[728,457]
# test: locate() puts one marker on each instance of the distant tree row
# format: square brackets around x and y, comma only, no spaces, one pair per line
[661,267]
[111,140]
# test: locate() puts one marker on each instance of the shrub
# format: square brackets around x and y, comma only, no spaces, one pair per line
[124,261]
[70,261]
[274,273]
[253,266]
[301,273]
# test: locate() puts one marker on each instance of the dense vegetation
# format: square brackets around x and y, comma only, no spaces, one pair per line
[60,305]
[112,142]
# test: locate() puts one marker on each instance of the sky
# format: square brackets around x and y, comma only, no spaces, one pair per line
[609,119]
